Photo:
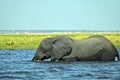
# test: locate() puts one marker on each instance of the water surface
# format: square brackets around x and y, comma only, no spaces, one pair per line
[17,65]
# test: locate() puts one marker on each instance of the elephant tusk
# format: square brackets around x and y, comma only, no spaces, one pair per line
[38,60]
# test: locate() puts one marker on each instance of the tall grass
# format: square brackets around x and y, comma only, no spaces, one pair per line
[31,41]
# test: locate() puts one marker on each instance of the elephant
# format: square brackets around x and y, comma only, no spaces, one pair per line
[63,48]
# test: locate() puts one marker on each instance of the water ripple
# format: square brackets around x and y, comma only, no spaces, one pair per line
[17,65]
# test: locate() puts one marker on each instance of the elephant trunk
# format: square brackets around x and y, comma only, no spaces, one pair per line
[36,60]
[39,57]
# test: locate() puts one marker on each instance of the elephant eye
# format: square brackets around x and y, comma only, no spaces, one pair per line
[44,50]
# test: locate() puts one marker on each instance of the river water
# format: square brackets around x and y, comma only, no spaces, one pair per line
[17,65]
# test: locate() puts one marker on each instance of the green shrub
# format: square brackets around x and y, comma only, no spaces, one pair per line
[31,41]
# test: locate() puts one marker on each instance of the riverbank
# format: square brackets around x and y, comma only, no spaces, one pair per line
[32,40]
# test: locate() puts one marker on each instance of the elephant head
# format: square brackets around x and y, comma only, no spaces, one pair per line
[53,48]
[44,49]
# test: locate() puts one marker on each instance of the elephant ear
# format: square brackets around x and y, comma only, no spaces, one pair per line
[61,48]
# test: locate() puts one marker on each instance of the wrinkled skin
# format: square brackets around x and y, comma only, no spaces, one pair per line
[94,48]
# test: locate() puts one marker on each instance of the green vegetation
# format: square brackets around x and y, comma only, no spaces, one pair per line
[31,41]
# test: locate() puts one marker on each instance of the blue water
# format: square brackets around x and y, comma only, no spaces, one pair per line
[17,65]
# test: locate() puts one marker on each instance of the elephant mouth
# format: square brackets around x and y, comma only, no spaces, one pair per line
[40,59]
[36,60]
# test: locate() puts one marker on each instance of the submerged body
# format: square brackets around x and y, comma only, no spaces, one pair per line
[95,48]
[62,48]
